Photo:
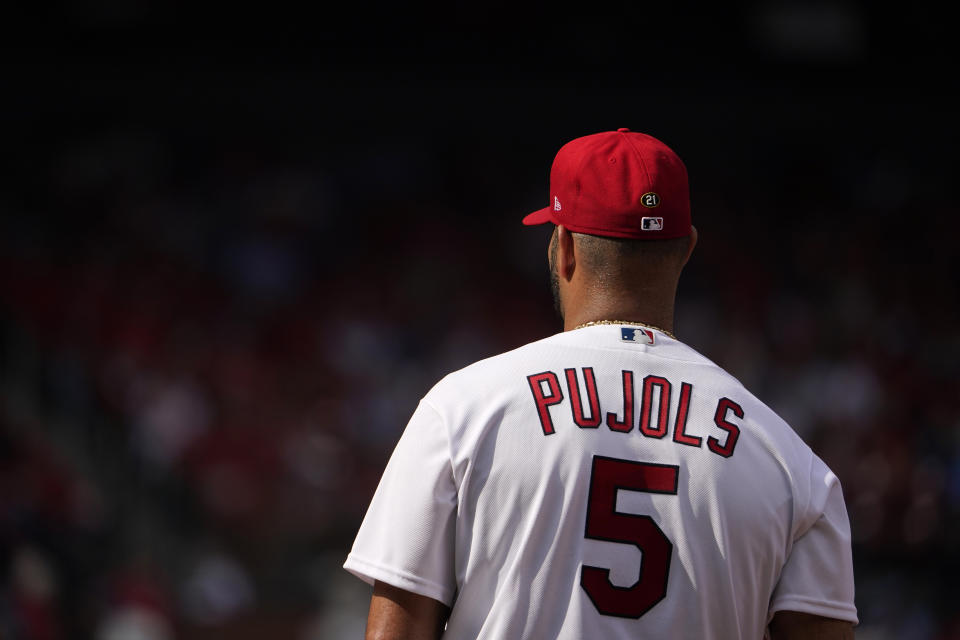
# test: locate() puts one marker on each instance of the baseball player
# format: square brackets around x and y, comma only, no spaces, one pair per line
[608,481]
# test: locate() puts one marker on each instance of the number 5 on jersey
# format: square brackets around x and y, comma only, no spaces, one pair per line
[605,523]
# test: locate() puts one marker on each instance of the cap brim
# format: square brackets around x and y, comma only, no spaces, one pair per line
[542,216]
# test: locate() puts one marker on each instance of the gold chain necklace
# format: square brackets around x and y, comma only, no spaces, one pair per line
[627,322]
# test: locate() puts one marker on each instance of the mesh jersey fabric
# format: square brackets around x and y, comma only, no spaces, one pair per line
[526,498]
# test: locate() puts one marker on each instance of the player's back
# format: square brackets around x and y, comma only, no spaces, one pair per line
[613,483]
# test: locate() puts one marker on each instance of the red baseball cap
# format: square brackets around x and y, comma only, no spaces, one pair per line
[620,184]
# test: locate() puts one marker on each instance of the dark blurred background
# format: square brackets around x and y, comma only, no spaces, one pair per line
[239,244]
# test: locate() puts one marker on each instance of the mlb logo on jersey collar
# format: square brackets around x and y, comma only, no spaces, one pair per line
[636,335]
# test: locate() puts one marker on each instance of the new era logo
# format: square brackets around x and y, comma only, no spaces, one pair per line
[636,335]
[556,204]
[652,223]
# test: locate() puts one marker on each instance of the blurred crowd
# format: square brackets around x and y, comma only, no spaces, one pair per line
[202,377]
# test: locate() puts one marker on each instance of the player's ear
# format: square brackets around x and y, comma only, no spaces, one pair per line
[566,260]
[693,243]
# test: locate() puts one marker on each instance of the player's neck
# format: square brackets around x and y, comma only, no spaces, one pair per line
[656,311]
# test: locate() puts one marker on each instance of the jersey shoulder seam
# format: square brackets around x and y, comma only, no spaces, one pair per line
[446,433]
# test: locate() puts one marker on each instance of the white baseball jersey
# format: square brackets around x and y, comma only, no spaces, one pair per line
[607,482]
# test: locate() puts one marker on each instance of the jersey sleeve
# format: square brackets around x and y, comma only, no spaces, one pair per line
[818,575]
[407,537]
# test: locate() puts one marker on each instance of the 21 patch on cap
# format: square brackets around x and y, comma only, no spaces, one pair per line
[636,335]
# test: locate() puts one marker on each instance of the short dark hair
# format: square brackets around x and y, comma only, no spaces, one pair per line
[611,255]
